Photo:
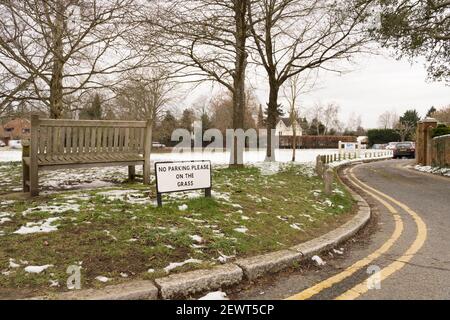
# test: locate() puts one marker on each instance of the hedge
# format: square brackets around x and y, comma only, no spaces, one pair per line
[382,136]
[441,130]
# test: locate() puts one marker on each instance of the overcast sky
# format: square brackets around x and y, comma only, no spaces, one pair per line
[380,83]
[375,84]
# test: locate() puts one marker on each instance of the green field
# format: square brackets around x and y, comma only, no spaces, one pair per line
[117,232]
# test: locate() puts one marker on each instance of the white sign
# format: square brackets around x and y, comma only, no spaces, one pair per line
[350,146]
[182,176]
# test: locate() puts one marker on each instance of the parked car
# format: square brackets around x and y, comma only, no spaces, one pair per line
[378,146]
[405,149]
[158,145]
[391,145]
[15,144]
[2,144]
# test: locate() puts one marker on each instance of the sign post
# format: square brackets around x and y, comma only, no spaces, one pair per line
[182,176]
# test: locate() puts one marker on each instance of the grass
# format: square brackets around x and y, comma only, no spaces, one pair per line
[111,235]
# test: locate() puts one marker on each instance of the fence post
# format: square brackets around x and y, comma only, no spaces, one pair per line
[328,180]
[319,166]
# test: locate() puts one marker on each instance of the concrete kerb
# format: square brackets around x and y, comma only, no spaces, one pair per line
[188,283]
[194,282]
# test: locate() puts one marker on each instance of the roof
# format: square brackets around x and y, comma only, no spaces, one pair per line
[286,121]
[18,122]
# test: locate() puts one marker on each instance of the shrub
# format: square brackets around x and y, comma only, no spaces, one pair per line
[441,130]
[381,136]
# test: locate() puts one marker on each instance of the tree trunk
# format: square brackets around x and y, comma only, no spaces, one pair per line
[272,115]
[240,8]
[294,142]
[56,82]
[56,90]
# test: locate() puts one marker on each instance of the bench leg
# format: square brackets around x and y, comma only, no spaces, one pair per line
[131,173]
[25,177]
[34,181]
[147,172]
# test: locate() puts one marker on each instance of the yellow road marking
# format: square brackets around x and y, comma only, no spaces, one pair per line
[328,283]
[421,237]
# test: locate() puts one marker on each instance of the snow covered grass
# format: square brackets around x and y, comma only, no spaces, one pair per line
[59,180]
[118,230]
[10,178]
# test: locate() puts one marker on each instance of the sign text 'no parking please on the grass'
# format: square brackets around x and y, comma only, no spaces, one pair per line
[182,176]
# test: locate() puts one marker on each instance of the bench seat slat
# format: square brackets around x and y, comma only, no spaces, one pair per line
[98,158]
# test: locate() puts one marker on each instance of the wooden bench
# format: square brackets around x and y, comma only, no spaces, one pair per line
[61,144]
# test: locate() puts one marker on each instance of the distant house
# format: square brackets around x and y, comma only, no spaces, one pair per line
[16,129]
[286,129]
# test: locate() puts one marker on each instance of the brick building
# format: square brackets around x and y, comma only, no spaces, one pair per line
[16,129]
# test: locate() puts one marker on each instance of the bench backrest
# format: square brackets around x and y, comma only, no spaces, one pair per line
[87,137]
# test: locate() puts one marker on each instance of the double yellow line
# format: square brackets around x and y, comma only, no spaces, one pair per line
[362,287]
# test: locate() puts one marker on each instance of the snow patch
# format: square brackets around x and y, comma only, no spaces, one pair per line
[129,196]
[197,238]
[296,226]
[318,260]
[328,203]
[218,295]
[12,264]
[54,283]
[54,209]
[37,269]
[102,279]
[4,220]
[241,230]
[433,170]
[44,226]
[175,265]
[224,258]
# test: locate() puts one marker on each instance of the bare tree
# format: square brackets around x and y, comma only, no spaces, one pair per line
[315,116]
[404,129]
[292,92]
[354,122]
[330,117]
[221,108]
[388,120]
[442,114]
[295,36]
[52,49]
[146,94]
[207,40]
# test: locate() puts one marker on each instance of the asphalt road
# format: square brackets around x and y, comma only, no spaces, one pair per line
[405,250]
